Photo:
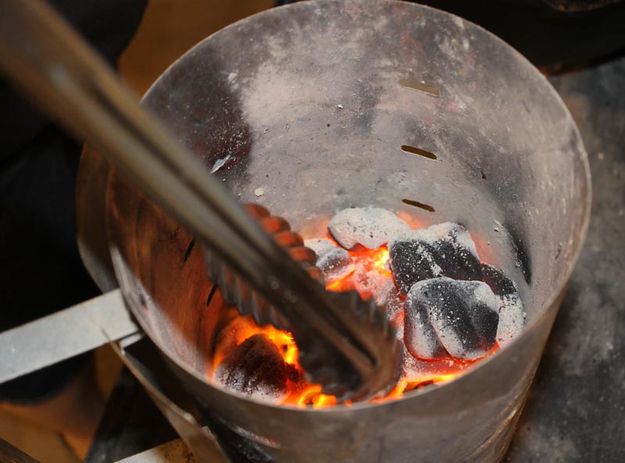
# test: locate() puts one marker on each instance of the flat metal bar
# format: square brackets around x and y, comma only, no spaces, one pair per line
[175,451]
[64,334]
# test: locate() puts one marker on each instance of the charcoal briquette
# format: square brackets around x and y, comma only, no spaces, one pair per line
[411,261]
[320,246]
[445,316]
[511,319]
[440,250]
[334,262]
[453,250]
[511,314]
[500,284]
[256,368]
[370,227]
[420,338]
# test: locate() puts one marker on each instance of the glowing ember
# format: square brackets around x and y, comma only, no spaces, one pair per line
[370,260]
[241,328]
[374,263]
[418,258]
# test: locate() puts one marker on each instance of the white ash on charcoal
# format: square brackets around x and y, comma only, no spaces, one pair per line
[410,365]
[511,313]
[370,227]
[511,319]
[320,246]
[256,368]
[420,337]
[334,262]
[444,316]
[445,249]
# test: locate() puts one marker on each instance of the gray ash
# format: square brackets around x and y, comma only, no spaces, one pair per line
[334,262]
[370,227]
[320,246]
[511,314]
[511,319]
[393,305]
[450,317]
[256,368]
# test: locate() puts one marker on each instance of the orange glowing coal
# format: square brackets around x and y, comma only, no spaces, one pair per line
[417,374]
[375,260]
[300,392]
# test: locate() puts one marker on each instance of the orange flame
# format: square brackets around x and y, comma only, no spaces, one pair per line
[370,260]
[305,394]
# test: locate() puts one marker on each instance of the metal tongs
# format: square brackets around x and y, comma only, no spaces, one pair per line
[346,343]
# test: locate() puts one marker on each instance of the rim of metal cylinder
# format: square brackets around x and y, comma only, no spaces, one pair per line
[532,324]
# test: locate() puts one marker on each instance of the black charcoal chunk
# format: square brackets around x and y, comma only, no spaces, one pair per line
[370,227]
[334,262]
[445,249]
[411,261]
[459,318]
[420,338]
[511,313]
[500,284]
[454,251]
[256,368]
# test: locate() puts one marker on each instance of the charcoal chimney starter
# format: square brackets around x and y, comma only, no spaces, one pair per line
[320,106]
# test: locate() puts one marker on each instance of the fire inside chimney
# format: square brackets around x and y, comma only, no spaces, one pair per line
[448,307]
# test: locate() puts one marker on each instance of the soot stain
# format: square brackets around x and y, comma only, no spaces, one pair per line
[521,252]
[187,252]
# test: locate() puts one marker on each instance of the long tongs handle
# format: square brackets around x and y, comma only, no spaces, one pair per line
[55,66]
[52,63]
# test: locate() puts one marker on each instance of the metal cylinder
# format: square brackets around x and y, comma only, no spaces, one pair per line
[318,106]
